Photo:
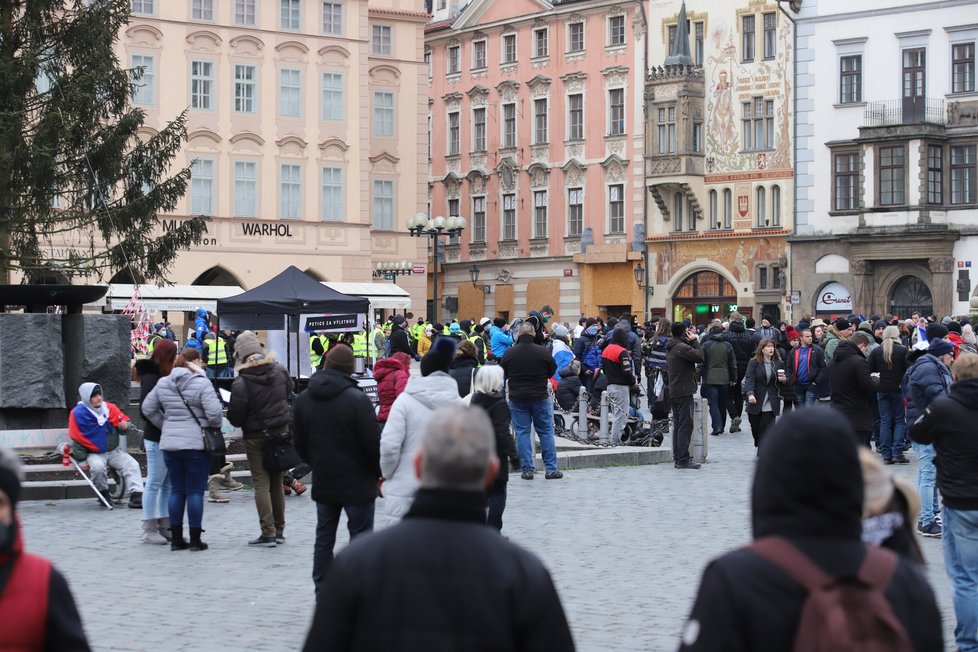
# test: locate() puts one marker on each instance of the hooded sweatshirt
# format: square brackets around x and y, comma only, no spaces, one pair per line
[89,427]
[406,423]
[808,489]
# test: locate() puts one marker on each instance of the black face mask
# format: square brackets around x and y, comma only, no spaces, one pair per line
[8,534]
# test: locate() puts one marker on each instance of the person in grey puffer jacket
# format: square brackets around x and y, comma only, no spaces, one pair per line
[409,415]
[168,406]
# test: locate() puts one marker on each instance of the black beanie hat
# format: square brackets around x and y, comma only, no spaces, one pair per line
[749,323]
[842,324]
[954,327]
[340,358]
[439,357]
[678,329]
[466,325]
[498,322]
[936,331]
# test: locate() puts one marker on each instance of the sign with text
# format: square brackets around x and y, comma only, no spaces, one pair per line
[332,323]
[834,297]
[418,269]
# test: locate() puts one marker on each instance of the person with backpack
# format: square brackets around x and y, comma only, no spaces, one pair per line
[586,350]
[795,587]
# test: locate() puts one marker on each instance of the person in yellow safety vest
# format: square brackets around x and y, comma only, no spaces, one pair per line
[318,346]
[476,339]
[360,344]
[416,332]
[380,342]
[215,356]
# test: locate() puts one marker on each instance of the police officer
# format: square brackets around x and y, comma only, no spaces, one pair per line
[318,346]
[475,338]
[215,356]
[360,344]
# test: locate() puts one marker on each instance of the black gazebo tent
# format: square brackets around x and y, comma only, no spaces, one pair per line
[291,293]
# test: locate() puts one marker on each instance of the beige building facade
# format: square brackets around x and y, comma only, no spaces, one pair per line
[306,132]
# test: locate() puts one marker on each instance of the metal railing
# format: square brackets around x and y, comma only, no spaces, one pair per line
[906,111]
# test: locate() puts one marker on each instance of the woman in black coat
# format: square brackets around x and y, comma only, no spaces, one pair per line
[487,393]
[463,367]
[762,382]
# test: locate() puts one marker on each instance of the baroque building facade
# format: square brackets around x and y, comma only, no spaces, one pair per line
[718,159]
[536,134]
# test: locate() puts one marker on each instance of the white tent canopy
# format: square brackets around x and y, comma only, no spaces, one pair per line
[381,295]
[179,298]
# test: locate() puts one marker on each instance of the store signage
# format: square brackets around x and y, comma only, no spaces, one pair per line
[418,269]
[331,323]
[568,272]
[251,229]
[834,297]
[962,264]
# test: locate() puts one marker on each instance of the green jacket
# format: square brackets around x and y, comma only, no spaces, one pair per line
[831,341]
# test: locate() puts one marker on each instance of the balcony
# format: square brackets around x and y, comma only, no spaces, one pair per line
[906,111]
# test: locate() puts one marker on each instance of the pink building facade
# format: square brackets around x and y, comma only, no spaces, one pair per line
[536,138]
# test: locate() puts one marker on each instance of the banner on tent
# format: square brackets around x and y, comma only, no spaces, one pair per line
[332,323]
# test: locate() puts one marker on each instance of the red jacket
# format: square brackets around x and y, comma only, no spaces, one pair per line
[24,600]
[392,375]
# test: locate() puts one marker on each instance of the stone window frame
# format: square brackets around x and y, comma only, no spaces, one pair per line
[850,47]
[878,176]
[485,54]
[926,169]
[847,150]
[973,166]
[609,227]
[474,231]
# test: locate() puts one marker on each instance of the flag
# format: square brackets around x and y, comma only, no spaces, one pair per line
[136,310]
[921,333]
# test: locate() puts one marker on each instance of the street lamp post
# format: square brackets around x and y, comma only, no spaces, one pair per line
[642,280]
[420,225]
[392,269]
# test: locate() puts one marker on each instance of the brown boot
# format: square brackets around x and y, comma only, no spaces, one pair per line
[214,494]
[227,482]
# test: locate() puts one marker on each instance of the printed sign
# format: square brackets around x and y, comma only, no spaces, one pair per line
[834,297]
[418,269]
[332,323]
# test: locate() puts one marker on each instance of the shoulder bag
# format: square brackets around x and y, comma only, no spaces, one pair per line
[279,453]
[214,443]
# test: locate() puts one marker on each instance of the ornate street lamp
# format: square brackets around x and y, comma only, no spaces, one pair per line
[421,226]
[642,280]
[392,269]
[474,275]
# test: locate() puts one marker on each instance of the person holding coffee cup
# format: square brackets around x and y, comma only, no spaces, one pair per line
[762,382]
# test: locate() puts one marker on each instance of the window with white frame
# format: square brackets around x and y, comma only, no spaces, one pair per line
[758,121]
[714,216]
[667,129]
[333,96]
[727,209]
[698,137]
[963,68]
[245,12]
[478,219]
[575,117]
[892,177]
[245,189]
[775,205]
[678,202]
[290,93]
[144,7]
[616,111]
[541,42]
[963,174]
[616,31]
[770,35]
[332,188]
[332,18]
[202,187]
[575,37]
[427,62]
[761,207]
[616,208]
[202,85]
[290,16]
[851,79]
[384,114]
[509,217]
[145,88]
[202,9]
[541,133]
[245,86]
[479,129]
[453,204]
[381,41]
[454,60]
[575,212]
[509,125]
[453,133]
[540,214]
[382,204]
[290,191]
[509,48]
[478,55]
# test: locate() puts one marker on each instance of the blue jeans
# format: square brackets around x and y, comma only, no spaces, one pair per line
[926,477]
[806,394]
[717,396]
[540,415]
[188,481]
[893,424]
[156,492]
[960,537]
[360,520]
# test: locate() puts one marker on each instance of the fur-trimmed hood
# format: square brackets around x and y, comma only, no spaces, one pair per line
[256,360]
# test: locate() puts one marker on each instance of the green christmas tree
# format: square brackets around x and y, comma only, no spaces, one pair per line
[80,190]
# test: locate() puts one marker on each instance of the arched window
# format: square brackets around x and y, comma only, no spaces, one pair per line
[714,218]
[677,210]
[775,205]
[727,209]
[761,207]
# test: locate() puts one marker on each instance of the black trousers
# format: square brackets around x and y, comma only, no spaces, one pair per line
[759,423]
[682,428]
[735,407]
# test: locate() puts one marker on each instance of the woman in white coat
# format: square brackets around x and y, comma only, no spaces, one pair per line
[409,415]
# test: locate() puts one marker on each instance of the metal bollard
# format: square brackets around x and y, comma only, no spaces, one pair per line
[582,403]
[604,433]
[699,442]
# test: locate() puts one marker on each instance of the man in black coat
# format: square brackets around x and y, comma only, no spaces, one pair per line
[683,353]
[853,389]
[808,489]
[336,432]
[399,340]
[744,348]
[441,579]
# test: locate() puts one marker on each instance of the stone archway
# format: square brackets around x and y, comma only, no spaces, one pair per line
[217,275]
[889,276]
[910,293]
[703,295]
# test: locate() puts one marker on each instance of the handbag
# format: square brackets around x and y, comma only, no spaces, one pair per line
[279,453]
[214,443]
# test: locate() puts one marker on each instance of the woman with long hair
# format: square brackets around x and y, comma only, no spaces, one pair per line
[156,493]
[765,375]
[889,362]
[487,393]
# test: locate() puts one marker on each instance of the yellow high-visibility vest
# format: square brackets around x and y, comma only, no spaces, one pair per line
[217,353]
[314,358]
[360,345]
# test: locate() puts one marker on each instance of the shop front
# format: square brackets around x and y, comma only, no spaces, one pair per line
[703,296]
[833,300]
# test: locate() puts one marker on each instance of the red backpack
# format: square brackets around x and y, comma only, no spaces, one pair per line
[841,614]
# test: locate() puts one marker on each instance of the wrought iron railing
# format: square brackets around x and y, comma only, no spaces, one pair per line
[907,111]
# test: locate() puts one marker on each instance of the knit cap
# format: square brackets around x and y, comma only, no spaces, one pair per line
[439,357]
[245,346]
[340,358]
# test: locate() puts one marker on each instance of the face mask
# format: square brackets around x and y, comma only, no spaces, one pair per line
[546,319]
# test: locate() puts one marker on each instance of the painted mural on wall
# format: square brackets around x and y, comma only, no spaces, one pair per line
[730,83]
[735,255]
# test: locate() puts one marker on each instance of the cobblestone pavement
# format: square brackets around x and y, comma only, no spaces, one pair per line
[626,547]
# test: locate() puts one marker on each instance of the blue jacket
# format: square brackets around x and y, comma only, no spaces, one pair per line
[926,380]
[500,341]
[200,324]
[194,343]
